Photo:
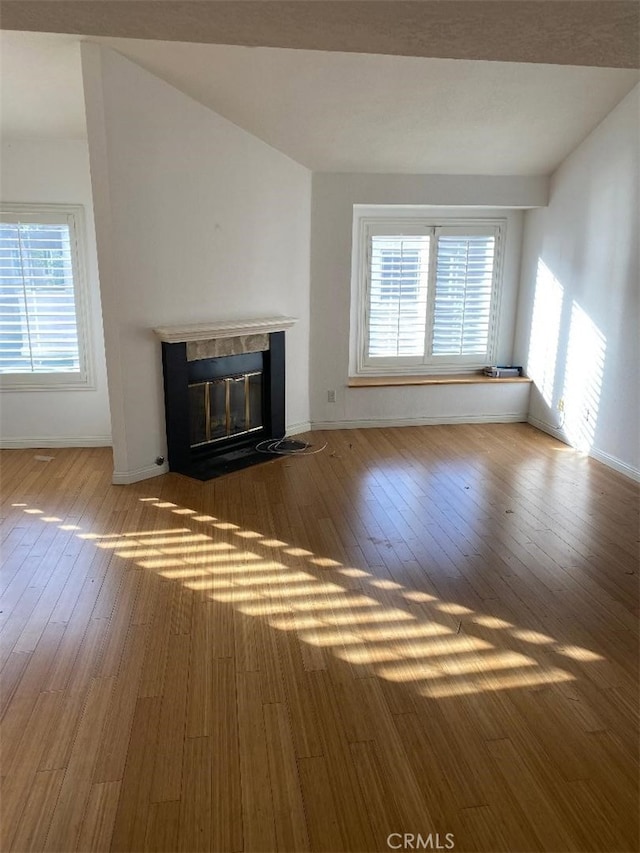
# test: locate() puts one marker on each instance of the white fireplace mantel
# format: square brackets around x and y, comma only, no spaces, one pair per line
[223,329]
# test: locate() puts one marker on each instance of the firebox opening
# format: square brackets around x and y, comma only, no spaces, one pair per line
[225,407]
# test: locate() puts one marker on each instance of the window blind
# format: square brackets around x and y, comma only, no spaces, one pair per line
[398,271]
[463,293]
[431,294]
[38,323]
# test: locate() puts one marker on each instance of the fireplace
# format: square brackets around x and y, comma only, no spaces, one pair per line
[224,393]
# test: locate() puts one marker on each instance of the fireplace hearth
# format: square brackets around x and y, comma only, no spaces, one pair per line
[224,394]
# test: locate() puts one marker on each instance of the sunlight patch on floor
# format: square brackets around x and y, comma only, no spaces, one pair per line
[426,650]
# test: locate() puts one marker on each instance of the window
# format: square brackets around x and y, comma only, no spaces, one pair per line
[42,298]
[427,294]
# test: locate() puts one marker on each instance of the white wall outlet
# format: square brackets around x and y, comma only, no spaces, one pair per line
[331,396]
[561,404]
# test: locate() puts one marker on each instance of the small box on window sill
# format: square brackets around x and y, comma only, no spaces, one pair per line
[502,372]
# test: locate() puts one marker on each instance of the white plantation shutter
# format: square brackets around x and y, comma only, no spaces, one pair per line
[430,295]
[463,293]
[398,277]
[39,331]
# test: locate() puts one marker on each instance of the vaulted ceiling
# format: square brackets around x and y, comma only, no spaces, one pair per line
[420,108]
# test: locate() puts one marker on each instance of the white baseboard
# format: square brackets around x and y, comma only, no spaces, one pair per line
[508,418]
[125,478]
[74,441]
[615,463]
[599,455]
[556,432]
[302,426]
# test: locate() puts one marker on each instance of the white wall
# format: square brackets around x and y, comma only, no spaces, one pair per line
[196,220]
[578,314]
[331,228]
[57,172]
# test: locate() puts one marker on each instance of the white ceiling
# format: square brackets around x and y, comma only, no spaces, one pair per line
[338,111]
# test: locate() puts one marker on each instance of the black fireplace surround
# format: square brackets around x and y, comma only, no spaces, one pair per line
[218,409]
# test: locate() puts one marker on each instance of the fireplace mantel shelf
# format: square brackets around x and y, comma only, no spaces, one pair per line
[223,329]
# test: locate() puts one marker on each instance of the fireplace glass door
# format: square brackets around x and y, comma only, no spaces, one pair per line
[224,408]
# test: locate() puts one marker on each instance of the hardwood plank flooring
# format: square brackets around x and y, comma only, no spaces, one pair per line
[423,630]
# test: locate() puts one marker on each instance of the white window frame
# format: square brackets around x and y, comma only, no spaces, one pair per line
[364,227]
[73,216]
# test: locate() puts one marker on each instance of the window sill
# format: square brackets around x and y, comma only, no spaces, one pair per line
[11,382]
[433,379]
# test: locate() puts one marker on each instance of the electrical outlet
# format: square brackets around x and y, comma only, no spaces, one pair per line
[331,396]
[561,404]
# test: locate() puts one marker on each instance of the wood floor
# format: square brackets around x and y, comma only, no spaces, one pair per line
[418,631]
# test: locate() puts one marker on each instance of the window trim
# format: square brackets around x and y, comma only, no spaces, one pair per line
[72,215]
[366,225]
